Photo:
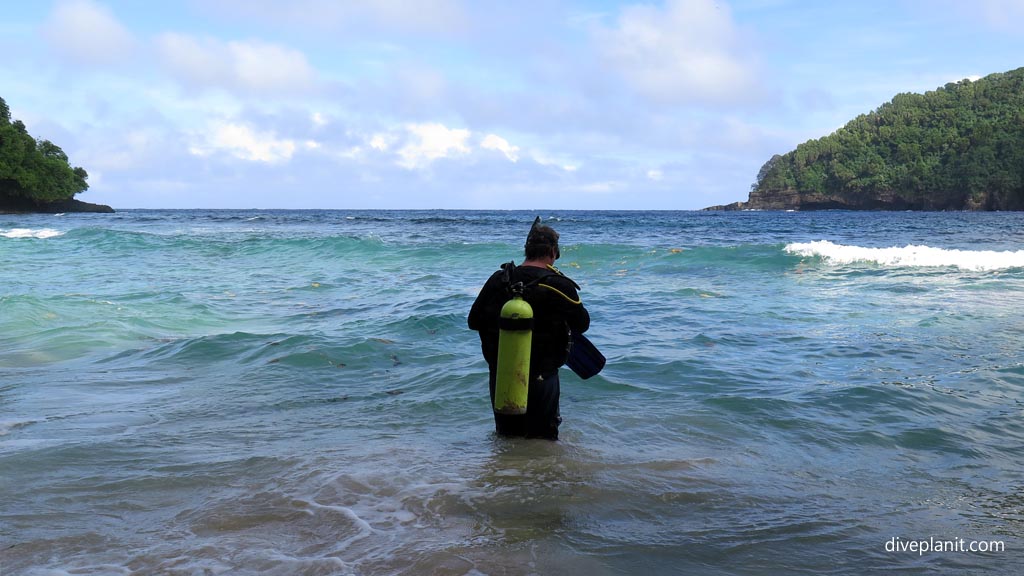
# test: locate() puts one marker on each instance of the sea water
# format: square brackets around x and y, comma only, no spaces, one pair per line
[296,392]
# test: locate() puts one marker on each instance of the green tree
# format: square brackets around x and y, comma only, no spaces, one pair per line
[959,146]
[34,170]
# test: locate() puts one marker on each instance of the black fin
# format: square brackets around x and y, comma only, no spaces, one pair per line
[584,358]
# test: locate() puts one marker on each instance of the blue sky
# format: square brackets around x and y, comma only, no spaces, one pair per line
[468,104]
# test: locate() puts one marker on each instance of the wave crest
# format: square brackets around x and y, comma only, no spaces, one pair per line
[31,233]
[910,256]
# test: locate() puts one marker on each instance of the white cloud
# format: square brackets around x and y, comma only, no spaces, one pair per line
[244,143]
[416,16]
[257,67]
[655,175]
[543,160]
[193,61]
[87,33]
[432,141]
[494,142]
[350,153]
[690,51]
[270,67]
[120,151]
[381,142]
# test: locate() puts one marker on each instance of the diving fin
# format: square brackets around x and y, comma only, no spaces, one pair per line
[584,358]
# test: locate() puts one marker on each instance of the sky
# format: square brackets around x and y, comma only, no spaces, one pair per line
[468,104]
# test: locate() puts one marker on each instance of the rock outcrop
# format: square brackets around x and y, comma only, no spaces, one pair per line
[26,206]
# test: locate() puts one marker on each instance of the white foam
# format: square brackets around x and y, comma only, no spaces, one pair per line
[30,233]
[910,256]
[363,525]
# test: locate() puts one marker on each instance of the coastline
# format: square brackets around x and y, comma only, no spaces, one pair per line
[10,206]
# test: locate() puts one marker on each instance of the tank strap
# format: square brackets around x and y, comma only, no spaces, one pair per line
[515,324]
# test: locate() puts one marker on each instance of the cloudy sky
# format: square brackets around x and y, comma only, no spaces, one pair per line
[599,104]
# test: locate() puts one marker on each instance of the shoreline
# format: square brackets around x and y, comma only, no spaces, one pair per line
[25,206]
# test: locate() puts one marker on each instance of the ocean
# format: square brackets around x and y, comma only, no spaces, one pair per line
[297,392]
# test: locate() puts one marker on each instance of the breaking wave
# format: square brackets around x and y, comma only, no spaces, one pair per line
[30,233]
[910,256]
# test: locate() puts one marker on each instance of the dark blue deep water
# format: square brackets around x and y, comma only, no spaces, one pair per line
[278,392]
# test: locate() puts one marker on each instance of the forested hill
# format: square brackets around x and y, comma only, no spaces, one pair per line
[35,175]
[960,147]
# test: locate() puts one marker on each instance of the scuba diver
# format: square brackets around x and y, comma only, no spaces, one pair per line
[527,317]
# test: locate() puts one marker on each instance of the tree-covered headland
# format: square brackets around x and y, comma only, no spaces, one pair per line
[35,174]
[959,147]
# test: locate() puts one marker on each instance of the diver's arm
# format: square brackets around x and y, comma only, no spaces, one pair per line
[579,319]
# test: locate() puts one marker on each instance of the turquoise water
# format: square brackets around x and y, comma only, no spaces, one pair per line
[277,392]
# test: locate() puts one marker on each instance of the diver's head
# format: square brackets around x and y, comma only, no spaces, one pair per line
[542,242]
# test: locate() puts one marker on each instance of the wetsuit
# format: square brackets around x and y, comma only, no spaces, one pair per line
[557,309]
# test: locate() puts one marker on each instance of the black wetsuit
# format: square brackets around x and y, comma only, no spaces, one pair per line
[557,309]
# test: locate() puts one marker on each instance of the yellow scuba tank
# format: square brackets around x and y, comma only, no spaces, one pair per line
[515,335]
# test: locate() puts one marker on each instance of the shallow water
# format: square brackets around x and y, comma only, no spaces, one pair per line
[250,392]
